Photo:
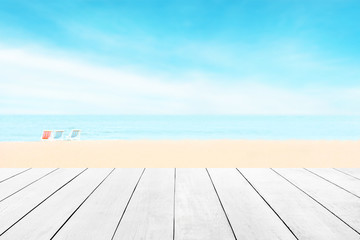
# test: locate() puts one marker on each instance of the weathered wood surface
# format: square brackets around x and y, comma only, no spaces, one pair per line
[44,221]
[8,173]
[18,206]
[99,215]
[305,217]
[354,172]
[342,204]
[250,216]
[198,213]
[179,204]
[346,182]
[16,184]
[150,211]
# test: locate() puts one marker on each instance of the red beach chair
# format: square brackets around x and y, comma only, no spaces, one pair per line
[46,135]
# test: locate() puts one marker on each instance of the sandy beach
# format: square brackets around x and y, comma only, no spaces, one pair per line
[186,153]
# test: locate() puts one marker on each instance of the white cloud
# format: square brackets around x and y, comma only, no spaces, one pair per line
[43,83]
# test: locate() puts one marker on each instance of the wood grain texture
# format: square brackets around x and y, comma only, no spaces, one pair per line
[8,173]
[191,204]
[15,184]
[198,213]
[14,208]
[249,215]
[341,203]
[44,221]
[355,172]
[150,211]
[98,217]
[306,218]
[342,180]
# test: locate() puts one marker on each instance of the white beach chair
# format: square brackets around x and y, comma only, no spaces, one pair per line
[58,135]
[46,136]
[74,135]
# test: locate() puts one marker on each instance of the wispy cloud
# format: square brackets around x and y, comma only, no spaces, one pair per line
[48,83]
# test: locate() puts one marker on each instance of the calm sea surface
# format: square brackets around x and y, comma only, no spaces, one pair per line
[29,127]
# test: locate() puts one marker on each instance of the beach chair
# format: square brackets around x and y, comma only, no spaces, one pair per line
[74,135]
[58,135]
[46,136]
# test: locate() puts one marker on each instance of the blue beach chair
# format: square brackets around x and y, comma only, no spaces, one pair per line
[74,135]
[58,135]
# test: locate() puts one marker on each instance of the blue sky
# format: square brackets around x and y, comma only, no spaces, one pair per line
[180,57]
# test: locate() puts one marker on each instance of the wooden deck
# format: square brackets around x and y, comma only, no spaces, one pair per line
[187,204]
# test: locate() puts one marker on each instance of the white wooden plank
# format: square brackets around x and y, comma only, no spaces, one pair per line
[306,218]
[8,173]
[150,211]
[249,215]
[343,204]
[198,213]
[355,172]
[342,180]
[14,208]
[99,215]
[44,221]
[13,185]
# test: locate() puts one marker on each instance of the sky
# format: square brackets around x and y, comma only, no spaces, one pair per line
[266,57]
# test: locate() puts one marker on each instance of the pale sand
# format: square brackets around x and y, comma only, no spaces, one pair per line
[187,153]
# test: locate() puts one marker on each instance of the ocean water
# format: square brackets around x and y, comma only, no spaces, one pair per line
[30,127]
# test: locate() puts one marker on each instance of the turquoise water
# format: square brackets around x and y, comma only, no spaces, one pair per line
[29,127]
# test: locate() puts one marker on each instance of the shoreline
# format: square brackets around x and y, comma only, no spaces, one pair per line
[182,153]
[191,139]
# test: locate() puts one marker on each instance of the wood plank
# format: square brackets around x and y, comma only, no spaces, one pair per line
[343,204]
[354,172]
[249,215]
[150,211]
[56,210]
[8,173]
[306,218]
[344,181]
[14,208]
[14,185]
[99,215]
[198,213]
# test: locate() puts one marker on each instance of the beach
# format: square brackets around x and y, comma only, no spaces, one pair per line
[181,153]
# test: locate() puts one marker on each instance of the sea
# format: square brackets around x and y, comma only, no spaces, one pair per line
[175,127]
